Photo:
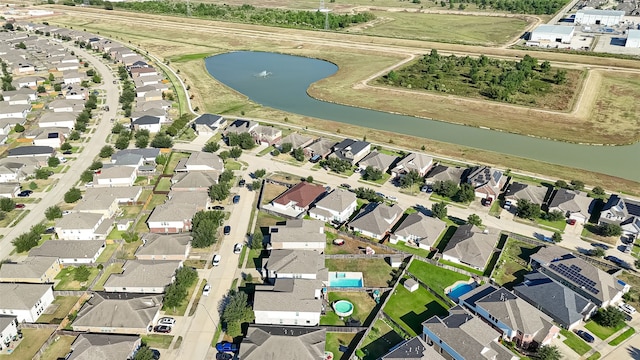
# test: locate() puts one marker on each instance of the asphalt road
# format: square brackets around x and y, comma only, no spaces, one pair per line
[82,161]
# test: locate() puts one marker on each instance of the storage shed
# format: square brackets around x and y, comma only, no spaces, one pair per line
[411,285]
[552,33]
[598,17]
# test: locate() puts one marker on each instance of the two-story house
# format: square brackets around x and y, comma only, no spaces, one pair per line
[337,206]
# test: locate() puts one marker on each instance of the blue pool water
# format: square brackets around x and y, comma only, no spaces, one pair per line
[344,282]
[459,290]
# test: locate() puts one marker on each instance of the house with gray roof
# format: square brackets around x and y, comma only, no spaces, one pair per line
[419,230]
[378,161]
[278,342]
[268,135]
[321,148]
[624,212]
[337,206]
[70,252]
[597,286]
[147,122]
[158,112]
[208,124]
[164,247]
[115,176]
[294,264]
[31,151]
[298,234]
[471,246]
[107,200]
[566,307]
[64,105]
[462,335]
[296,140]
[25,301]
[376,220]
[104,347]
[533,194]
[118,313]
[517,320]
[487,182]
[12,172]
[200,161]
[351,150]
[418,162]
[83,226]
[289,302]
[9,190]
[57,119]
[444,173]
[175,215]
[14,111]
[36,270]
[240,126]
[194,180]
[415,348]
[133,160]
[148,154]
[143,276]
[8,328]
[574,204]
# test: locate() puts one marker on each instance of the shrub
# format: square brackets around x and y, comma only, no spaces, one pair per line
[73,195]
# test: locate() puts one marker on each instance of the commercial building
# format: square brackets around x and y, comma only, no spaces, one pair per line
[598,17]
[633,39]
[552,33]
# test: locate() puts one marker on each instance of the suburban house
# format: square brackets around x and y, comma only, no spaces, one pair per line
[624,212]
[153,95]
[461,335]
[148,154]
[35,270]
[53,137]
[419,230]
[297,199]
[337,206]
[597,286]
[20,99]
[278,342]
[74,92]
[240,126]
[70,252]
[415,349]
[142,72]
[351,150]
[107,200]
[164,247]
[14,111]
[266,134]
[471,246]
[147,122]
[8,95]
[516,319]
[320,148]
[60,105]
[28,81]
[444,173]
[298,234]
[574,204]
[12,172]
[297,141]
[487,182]
[208,124]
[378,161]
[174,216]
[375,220]
[72,77]
[294,264]
[115,176]
[200,161]
[153,112]
[104,347]
[32,151]
[533,194]
[118,313]
[57,119]
[194,180]
[83,226]
[9,190]
[143,277]
[288,302]
[566,307]
[25,301]
[8,328]
[420,163]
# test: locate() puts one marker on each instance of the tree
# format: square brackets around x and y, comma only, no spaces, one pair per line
[144,352]
[142,133]
[256,185]
[82,273]
[259,173]
[527,210]
[74,194]
[80,126]
[130,236]
[27,241]
[161,141]
[298,154]
[52,77]
[52,213]
[556,237]
[74,136]
[86,176]
[7,204]
[117,128]
[474,219]
[96,165]
[561,184]
[609,317]
[204,228]
[106,151]
[244,140]
[336,165]
[367,194]
[597,252]
[96,79]
[309,179]
[226,176]
[577,185]
[235,152]
[447,188]
[109,6]
[53,161]
[560,77]
[466,193]
[372,174]
[41,89]
[57,87]
[122,142]
[256,240]
[236,312]
[18,128]
[554,215]
[439,210]
[597,192]
[219,192]
[142,142]
[286,148]
[548,352]
[607,229]
[211,147]
[409,179]
[43,174]
[66,146]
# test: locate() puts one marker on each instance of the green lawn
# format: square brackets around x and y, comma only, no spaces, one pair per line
[595,356]
[266,220]
[107,253]
[461,267]
[115,268]
[334,340]
[559,225]
[232,165]
[435,277]
[58,349]
[173,161]
[362,302]
[265,151]
[513,263]
[180,310]
[601,331]
[410,249]
[64,305]
[410,309]
[10,216]
[156,199]
[141,225]
[622,337]
[32,341]
[130,211]
[575,343]
[68,281]
[157,341]
[376,272]
[379,340]
[164,184]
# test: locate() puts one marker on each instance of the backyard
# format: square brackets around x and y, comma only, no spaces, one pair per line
[67,280]
[164,184]
[31,342]
[410,309]
[272,191]
[173,161]
[376,272]
[58,349]
[350,246]
[334,340]
[435,277]
[107,253]
[266,220]
[362,302]
[513,264]
[379,340]
[115,268]
[61,307]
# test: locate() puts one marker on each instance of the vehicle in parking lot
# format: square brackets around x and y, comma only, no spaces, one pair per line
[162,329]
[600,245]
[237,248]
[226,346]
[218,207]
[585,336]
[627,308]
[206,290]
[236,199]
[20,206]
[25,193]
[166,321]
[227,230]
[216,260]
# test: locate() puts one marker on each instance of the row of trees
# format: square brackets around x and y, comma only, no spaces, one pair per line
[450,189]
[176,293]
[30,239]
[222,189]
[296,153]
[204,228]
[538,7]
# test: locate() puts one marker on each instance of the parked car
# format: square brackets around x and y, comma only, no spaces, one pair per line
[25,193]
[166,321]
[507,205]
[242,182]
[346,186]
[585,336]
[20,206]
[62,159]
[216,260]
[50,230]
[227,230]
[224,356]
[155,354]
[392,198]
[237,248]
[627,308]
[206,290]
[606,247]
[67,152]
[571,221]
[218,207]
[66,212]
[425,188]
[226,347]
[89,184]
[487,201]
[162,329]
[613,259]
[236,199]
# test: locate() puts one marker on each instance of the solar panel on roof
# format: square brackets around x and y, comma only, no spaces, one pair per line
[633,209]
[572,273]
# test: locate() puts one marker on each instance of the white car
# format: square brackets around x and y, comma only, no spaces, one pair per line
[392,198]
[166,321]
[216,260]
[62,159]
[627,308]
[206,290]
[237,248]
[66,212]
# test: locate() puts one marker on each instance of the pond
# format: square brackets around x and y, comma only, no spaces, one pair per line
[281,82]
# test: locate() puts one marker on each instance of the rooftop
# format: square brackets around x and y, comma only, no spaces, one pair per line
[302,195]
[297,295]
[68,249]
[376,218]
[472,245]
[144,273]
[29,268]
[78,220]
[295,230]
[157,244]
[119,310]
[554,29]
[21,296]
[278,342]
[337,200]
[103,347]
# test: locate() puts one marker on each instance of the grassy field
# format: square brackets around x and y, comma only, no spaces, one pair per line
[362,302]
[376,272]
[64,305]
[272,191]
[58,349]
[435,277]
[513,263]
[574,342]
[601,331]
[157,341]
[445,28]
[411,309]
[31,342]
[379,340]
[68,281]
[334,340]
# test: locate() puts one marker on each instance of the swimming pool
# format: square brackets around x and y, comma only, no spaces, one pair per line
[345,279]
[459,290]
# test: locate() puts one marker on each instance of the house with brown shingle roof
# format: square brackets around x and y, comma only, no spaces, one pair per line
[297,199]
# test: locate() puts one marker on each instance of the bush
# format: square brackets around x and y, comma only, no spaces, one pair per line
[86,176]
[211,147]
[73,195]
[7,204]
[609,316]
[286,147]
[161,141]
[122,142]
[142,142]
[439,210]
[259,173]
[66,146]
[82,273]
[372,174]
[43,174]
[256,240]
[106,151]
[96,165]
[52,213]
[18,128]
[607,229]
[53,162]
[74,136]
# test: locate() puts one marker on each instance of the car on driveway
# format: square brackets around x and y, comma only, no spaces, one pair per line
[585,336]
[237,248]
[627,308]
[166,321]
[224,356]
[345,185]
[571,221]
[613,259]
[226,346]
[25,193]
[236,199]
[216,260]
[155,354]
[218,207]
[50,230]
[165,329]
[20,206]
[67,152]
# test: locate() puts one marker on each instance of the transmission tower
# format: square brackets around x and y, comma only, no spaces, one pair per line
[324,10]
[188,8]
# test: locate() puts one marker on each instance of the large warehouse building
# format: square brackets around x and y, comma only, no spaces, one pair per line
[598,17]
[552,33]
[633,39]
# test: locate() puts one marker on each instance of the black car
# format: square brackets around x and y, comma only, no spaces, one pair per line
[67,152]
[606,247]
[242,182]
[236,199]
[156,354]
[224,356]
[613,259]
[25,193]
[162,329]
[50,230]
[218,207]
[585,336]
[346,186]
[227,230]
